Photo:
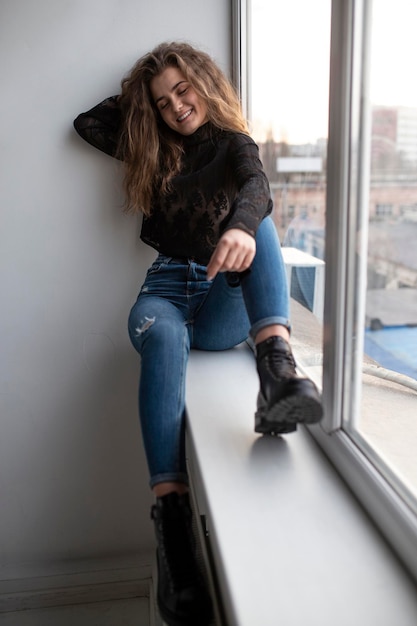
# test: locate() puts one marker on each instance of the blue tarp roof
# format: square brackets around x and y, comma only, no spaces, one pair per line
[394,347]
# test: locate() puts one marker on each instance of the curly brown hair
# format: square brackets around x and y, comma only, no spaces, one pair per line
[151,151]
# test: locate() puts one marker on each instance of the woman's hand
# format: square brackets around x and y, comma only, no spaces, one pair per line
[234,253]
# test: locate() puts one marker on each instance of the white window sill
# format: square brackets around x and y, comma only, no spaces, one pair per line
[290,543]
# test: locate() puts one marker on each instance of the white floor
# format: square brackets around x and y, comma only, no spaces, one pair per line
[133,612]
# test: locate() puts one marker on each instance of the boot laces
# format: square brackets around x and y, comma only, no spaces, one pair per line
[281,364]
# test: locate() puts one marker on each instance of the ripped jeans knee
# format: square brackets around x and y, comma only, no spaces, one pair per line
[155,321]
[145,324]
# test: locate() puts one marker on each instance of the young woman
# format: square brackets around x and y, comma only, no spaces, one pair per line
[194,173]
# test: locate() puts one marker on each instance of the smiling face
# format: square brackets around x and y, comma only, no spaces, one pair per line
[180,106]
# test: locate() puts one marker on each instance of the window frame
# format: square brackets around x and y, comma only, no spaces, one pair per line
[347,188]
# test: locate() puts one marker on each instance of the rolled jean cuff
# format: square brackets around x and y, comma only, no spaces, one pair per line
[169,477]
[269,321]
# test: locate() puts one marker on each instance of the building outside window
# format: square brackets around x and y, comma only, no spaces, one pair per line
[383,210]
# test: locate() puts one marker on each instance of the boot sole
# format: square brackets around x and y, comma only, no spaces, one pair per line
[284,416]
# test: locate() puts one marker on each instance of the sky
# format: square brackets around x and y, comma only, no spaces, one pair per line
[290,64]
[394,51]
[290,68]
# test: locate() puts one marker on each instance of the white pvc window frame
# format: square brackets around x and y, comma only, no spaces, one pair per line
[347,189]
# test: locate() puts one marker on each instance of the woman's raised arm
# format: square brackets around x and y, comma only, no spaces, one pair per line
[101,126]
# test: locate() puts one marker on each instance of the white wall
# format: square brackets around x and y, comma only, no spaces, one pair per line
[73,479]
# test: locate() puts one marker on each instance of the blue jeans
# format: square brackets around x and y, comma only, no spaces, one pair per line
[178,309]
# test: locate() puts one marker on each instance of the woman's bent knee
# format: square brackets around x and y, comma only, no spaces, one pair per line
[155,322]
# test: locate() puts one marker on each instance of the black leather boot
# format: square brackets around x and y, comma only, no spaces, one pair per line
[182,596]
[284,399]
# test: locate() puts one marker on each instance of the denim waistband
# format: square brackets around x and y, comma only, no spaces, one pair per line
[178,260]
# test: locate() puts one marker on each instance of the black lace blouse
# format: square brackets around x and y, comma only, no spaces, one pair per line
[221,185]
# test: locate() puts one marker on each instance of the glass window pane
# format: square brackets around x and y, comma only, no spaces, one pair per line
[387,426]
[288,107]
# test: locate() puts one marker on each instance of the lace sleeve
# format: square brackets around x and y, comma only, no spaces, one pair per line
[101,125]
[253,201]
